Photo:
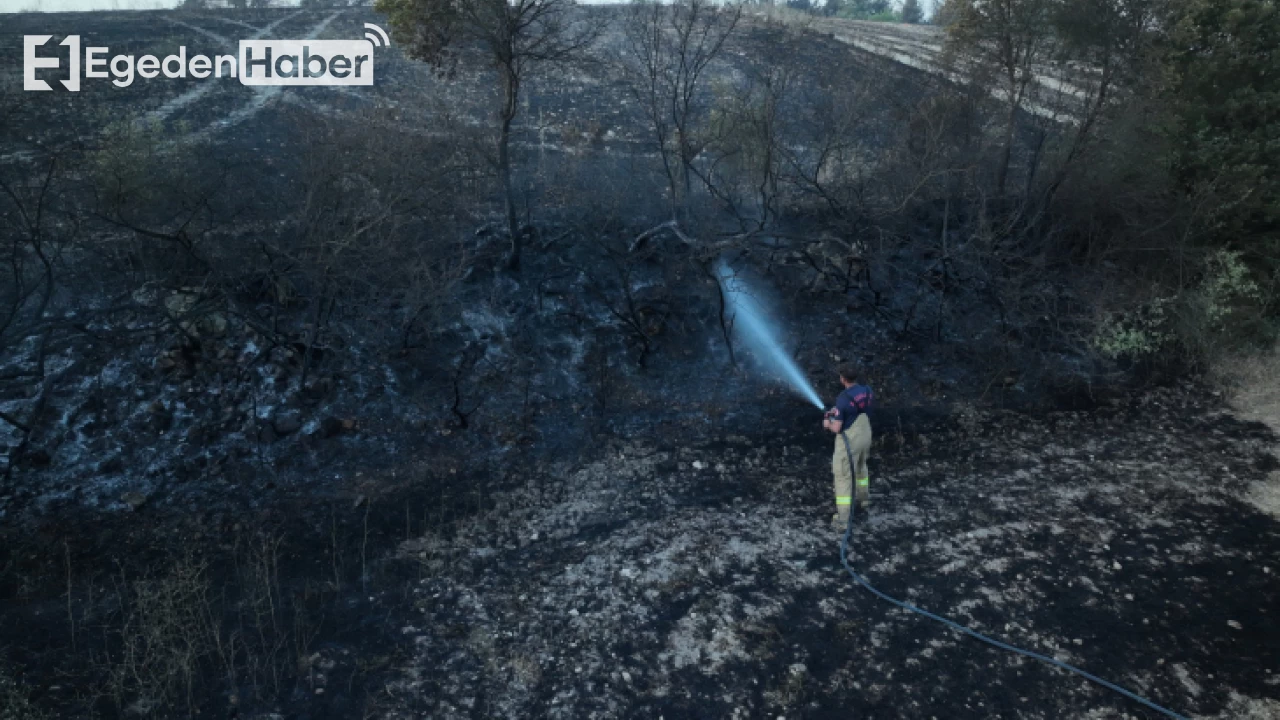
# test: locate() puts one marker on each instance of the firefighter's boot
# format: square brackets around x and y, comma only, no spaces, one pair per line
[840,521]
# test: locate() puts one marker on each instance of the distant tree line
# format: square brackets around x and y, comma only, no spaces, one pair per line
[1139,136]
[1176,134]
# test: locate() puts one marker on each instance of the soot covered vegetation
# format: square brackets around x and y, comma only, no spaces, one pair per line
[423,399]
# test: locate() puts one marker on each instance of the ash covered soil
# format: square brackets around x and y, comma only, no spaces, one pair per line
[702,578]
[637,544]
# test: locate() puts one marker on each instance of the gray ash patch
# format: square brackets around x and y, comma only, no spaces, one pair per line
[703,581]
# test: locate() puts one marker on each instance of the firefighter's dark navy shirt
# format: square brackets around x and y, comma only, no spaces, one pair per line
[855,399]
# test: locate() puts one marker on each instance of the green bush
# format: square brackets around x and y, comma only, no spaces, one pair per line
[1225,310]
[1136,335]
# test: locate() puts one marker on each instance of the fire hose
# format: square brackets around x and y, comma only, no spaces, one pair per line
[844,560]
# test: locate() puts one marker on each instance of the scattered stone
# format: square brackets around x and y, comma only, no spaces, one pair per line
[1235,625]
[699,465]
[212,325]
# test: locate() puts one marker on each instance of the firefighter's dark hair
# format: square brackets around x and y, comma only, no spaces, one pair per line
[848,372]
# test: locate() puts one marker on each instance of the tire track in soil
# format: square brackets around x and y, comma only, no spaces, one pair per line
[260,97]
[169,108]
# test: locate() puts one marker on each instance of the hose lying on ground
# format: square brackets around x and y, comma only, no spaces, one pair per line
[844,560]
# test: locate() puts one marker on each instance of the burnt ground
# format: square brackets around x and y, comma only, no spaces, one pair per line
[689,570]
[598,536]
[701,579]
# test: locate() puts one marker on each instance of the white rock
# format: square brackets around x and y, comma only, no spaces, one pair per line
[1235,625]
[574,612]
[1115,566]
[698,465]
[626,676]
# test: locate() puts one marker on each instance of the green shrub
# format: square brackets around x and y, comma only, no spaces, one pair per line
[1135,335]
[1225,310]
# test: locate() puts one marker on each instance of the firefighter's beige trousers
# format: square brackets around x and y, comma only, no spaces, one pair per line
[859,436]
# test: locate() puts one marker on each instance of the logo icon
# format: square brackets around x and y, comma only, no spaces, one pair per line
[376,35]
[31,62]
[259,62]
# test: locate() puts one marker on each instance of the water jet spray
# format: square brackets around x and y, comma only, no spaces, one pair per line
[752,324]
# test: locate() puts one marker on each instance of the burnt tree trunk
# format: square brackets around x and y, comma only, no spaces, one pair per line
[511,89]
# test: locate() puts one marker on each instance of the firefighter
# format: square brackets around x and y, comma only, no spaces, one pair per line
[849,421]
